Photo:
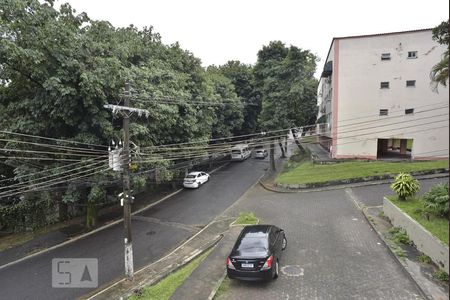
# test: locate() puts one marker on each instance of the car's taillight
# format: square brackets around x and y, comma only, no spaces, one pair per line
[268,263]
[229,263]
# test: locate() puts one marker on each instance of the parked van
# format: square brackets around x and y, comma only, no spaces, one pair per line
[240,152]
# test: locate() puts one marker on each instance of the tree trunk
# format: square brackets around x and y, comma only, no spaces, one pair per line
[91,215]
[62,208]
[283,155]
[62,211]
[272,155]
[300,147]
[285,145]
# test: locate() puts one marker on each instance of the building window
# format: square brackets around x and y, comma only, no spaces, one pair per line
[409,111]
[410,83]
[383,112]
[385,56]
[412,54]
[384,85]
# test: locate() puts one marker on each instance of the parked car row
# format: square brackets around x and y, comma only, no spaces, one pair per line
[238,153]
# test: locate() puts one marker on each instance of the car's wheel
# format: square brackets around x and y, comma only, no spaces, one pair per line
[284,243]
[276,271]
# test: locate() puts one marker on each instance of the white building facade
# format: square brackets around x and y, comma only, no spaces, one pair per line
[377,98]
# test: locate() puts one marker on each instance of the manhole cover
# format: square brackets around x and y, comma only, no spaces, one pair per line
[292,270]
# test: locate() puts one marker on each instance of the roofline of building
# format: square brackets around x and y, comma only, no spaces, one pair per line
[371,35]
[378,34]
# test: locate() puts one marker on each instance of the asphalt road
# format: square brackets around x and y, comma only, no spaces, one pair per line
[332,251]
[156,232]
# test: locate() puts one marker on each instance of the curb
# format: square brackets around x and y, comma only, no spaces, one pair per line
[357,180]
[348,185]
[97,229]
[194,254]
[396,258]
[218,284]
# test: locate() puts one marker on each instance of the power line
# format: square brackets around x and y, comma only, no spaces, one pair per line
[49,152]
[52,175]
[50,139]
[52,146]
[54,182]
[48,170]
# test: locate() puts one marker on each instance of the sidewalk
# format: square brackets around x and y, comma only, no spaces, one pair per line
[206,278]
[420,273]
[203,240]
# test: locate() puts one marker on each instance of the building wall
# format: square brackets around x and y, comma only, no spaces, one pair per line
[357,97]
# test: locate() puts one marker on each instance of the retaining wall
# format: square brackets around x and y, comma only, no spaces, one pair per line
[422,238]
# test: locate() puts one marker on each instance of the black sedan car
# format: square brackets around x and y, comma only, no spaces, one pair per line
[256,254]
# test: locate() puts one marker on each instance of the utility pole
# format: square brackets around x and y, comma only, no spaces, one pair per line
[129,270]
[126,197]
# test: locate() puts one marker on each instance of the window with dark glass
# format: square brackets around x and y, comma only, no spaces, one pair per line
[383,112]
[385,56]
[384,85]
[410,83]
[409,111]
[412,54]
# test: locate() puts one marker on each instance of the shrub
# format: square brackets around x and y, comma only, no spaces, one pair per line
[399,236]
[435,201]
[441,275]
[424,258]
[405,186]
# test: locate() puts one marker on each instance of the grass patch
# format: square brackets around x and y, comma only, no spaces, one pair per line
[308,139]
[399,236]
[439,227]
[246,218]
[423,258]
[307,172]
[398,251]
[164,289]
[223,289]
[441,275]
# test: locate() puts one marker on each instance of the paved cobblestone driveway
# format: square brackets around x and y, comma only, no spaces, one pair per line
[331,245]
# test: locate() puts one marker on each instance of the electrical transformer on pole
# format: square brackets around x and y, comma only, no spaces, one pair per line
[126,197]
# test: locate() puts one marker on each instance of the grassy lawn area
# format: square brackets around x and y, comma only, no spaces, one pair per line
[437,226]
[164,289]
[246,218]
[307,172]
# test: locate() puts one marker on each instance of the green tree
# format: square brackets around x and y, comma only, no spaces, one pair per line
[284,77]
[242,77]
[58,69]
[439,72]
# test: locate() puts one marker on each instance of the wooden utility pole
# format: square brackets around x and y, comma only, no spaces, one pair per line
[129,270]
[126,197]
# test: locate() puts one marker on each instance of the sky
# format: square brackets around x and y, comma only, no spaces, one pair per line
[217,31]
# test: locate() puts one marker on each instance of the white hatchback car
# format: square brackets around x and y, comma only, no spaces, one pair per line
[261,153]
[195,179]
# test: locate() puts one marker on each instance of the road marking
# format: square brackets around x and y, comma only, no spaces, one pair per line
[168,223]
[352,196]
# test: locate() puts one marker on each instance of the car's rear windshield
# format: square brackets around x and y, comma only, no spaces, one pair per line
[260,151]
[236,151]
[190,176]
[253,244]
